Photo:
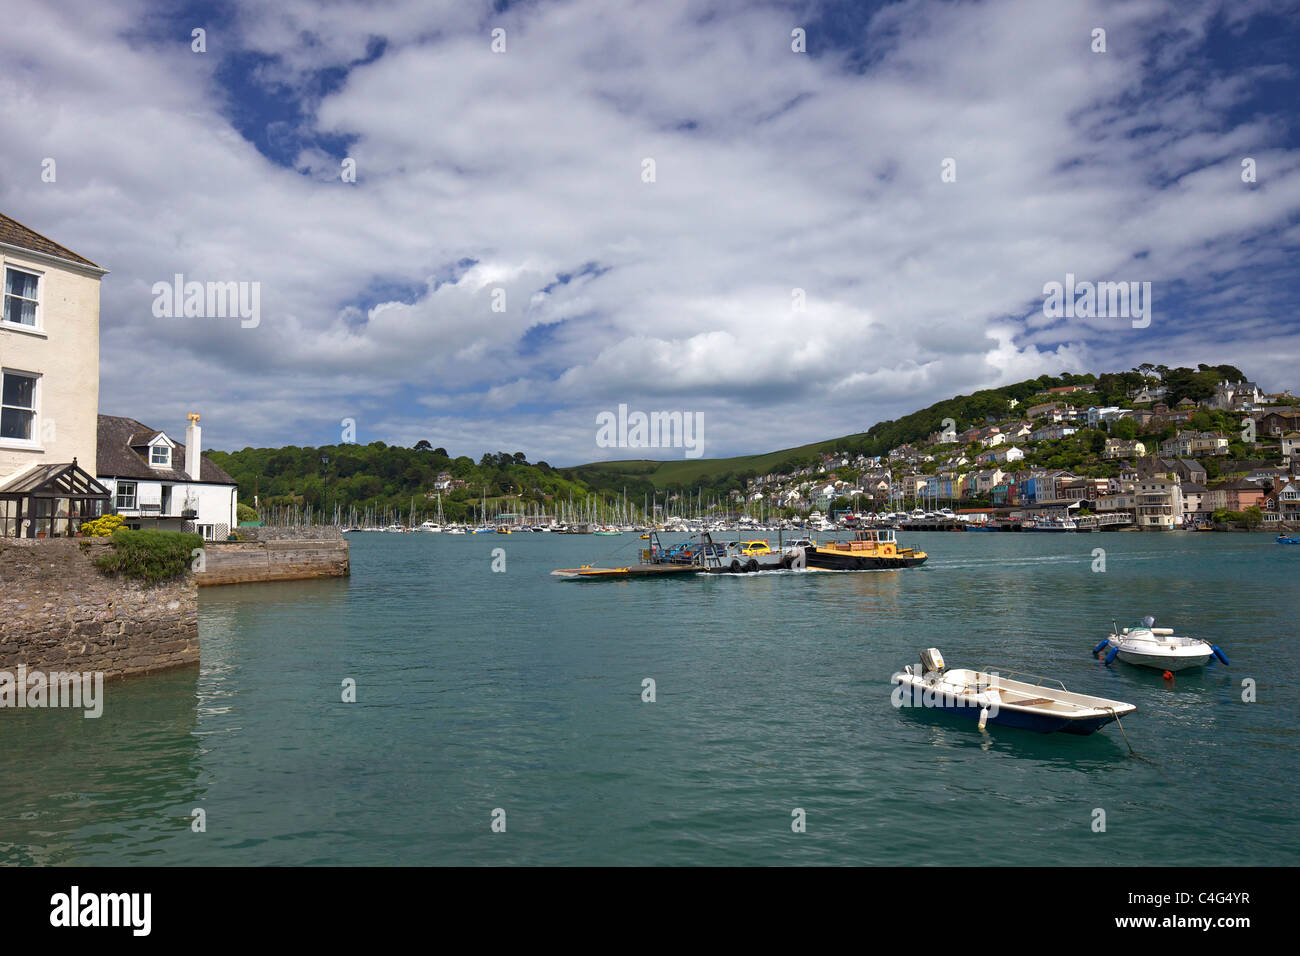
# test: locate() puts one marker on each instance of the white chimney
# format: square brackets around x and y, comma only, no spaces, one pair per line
[193,446]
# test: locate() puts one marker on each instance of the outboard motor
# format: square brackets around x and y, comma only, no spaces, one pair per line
[931,662]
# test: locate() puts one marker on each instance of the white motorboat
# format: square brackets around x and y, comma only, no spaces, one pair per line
[997,699]
[1149,646]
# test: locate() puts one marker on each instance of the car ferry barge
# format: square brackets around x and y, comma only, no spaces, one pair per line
[869,550]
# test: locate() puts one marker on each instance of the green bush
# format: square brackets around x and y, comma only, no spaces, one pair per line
[149,556]
[245,512]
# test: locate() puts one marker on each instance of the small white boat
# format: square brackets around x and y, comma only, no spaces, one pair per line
[1146,645]
[995,698]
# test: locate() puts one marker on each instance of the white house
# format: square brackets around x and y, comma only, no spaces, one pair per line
[157,482]
[1003,455]
[1108,413]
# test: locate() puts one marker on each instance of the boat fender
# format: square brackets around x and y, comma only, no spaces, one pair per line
[1110,658]
[1097,650]
[735,567]
[984,717]
[1219,653]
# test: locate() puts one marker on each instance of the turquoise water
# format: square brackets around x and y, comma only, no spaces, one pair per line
[479,690]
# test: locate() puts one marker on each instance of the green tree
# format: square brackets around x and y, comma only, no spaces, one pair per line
[1125,428]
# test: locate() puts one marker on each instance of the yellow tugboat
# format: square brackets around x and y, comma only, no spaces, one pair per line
[868,550]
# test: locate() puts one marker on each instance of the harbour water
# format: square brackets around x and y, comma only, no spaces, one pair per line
[479,690]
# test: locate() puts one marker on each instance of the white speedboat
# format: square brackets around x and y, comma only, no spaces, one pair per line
[1149,646]
[995,698]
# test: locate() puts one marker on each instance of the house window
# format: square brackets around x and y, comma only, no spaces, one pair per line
[21,297]
[160,456]
[126,496]
[18,406]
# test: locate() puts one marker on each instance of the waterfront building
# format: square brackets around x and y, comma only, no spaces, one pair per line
[157,482]
[1195,503]
[1159,503]
[1234,496]
[1285,502]
[49,383]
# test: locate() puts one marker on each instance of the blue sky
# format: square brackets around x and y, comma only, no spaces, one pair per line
[516,177]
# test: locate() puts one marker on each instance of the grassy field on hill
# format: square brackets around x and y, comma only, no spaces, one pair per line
[689,471]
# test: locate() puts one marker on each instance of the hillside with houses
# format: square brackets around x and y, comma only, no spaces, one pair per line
[1172,448]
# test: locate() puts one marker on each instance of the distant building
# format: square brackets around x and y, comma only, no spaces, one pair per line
[1286,502]
[1236,395]
[1280,422]
[1158,503]
[1052,432]
[1234,496]
[1194,444]
[1123,448]
[1003,455]
[1108,413]
[1147,394]
[1053,411]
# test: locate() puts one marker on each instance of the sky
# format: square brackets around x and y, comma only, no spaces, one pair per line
[830,236]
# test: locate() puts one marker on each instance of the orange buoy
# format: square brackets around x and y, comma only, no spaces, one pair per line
[1169,675]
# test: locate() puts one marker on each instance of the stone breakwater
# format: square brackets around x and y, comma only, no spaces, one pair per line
[59,612]
[289,533]
[280,554]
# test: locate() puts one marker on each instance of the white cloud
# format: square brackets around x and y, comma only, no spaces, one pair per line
[774,170]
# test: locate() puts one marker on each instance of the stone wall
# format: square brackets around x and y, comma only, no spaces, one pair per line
[246,562]
[290,533]
[59,612]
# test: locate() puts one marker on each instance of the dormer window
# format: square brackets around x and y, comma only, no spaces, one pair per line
[160,456]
